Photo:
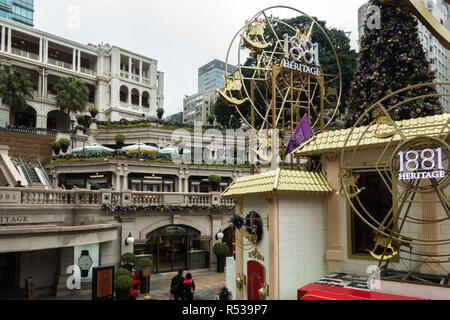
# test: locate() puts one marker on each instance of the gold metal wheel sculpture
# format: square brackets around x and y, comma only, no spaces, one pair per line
[413,164]
[286,82]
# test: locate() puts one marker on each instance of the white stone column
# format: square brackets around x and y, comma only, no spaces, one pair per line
[140,99]
[117,183]
[125,181]
[186,184]
[130,66]
[41,48]
[3,39]
[79,61]
[140,71]
[74,55]
[180,184]
[45,44]
[9,40]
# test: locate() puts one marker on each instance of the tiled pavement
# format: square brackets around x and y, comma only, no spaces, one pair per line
[207,284]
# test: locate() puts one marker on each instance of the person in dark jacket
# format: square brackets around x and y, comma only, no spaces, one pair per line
[189,287]
[176,286]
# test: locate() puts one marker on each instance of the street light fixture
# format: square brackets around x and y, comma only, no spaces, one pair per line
[220,235]
[129,239]
[72,123]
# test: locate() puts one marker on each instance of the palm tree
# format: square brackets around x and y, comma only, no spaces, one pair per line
[15,88]
[72,95]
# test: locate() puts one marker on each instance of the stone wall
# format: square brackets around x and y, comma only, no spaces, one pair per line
[28,146]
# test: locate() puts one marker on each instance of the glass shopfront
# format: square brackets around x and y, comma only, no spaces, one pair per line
[173,248]
[152,183]
[89,181]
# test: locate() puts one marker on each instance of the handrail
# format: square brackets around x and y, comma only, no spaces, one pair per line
[27,175]
[50,183]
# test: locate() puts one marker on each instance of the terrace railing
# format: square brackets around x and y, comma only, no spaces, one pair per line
[31,197]
[25,54]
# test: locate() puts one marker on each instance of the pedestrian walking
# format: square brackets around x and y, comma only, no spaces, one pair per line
[176,286]
[189,287]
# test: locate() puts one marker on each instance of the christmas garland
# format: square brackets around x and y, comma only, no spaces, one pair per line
[163,208]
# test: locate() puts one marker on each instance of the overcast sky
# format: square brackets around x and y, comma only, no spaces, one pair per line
[182,35]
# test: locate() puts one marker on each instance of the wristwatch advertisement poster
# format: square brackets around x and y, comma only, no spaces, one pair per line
[86,257]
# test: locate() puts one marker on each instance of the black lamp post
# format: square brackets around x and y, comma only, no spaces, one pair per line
[72,123]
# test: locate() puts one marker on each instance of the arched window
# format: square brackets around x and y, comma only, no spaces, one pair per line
[26,118]
[124,94]
[146,99]
[135,97]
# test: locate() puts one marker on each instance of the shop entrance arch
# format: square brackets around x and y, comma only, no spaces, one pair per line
[172,248]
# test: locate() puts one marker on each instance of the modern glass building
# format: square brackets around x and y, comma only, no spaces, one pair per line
[210,76]
[18,10]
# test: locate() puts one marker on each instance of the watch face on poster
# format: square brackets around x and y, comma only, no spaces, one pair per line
[85,262]
[86,258]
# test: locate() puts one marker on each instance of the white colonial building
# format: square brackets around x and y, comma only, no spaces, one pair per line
[122,84]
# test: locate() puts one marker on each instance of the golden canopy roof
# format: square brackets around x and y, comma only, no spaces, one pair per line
[278,181]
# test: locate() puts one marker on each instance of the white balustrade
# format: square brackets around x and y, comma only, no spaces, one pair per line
[74,198]
[25,54]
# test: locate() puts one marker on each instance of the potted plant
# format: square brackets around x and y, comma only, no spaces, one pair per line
[160,113]
[215,182]
[56,147]
[64,144]
[93,111]
[123,272]
[123,285]
[221,251]
[146,266]
[224,294]
[120,140]
[80,119]
[128,260]
[211,119]
[87,121]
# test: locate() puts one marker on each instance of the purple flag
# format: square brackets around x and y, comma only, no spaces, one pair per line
[301,134]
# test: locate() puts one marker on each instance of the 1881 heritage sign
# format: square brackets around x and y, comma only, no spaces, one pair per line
[15,219]
[9,197]
[422,163]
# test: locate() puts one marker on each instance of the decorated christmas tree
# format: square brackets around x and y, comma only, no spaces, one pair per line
[391,58]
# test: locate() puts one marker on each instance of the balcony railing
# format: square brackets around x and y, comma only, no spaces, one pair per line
[39,197]
[124,74]
[25,54]
[135,77]
[61,64]
[88,71]
[146,81]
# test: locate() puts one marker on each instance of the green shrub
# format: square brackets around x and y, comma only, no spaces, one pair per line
[128,258]
[123,272]
[214,179]
[63,142]
[160,111]
[220,249]
[124,282]
[93,110]
[145,263]
[120,138]
[55,145]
